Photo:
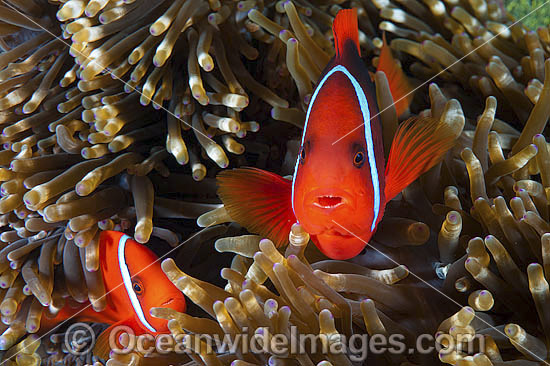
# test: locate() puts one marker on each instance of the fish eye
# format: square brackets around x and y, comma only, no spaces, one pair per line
[302,155]
[137,287]
[359,159]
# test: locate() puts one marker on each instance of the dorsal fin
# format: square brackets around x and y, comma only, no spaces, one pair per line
[400,88]
[344,29]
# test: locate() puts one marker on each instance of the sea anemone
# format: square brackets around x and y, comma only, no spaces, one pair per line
[78,159]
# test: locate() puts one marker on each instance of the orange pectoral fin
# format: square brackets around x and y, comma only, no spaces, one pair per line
[400,87]
[418,144]
[110,337]
[259,201]
[102,346]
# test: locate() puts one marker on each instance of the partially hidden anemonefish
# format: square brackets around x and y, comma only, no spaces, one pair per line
[134,283]
[340,185]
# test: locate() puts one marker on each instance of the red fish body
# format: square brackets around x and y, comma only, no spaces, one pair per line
[341,183]
[134,283]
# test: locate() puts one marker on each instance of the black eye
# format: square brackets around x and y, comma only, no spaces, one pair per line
[359,159]
[138,289]
[302,156]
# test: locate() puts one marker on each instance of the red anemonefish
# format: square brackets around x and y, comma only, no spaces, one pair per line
[340,185]
[134,283]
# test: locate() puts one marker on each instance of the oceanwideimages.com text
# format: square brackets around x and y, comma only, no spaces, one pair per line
[357,347]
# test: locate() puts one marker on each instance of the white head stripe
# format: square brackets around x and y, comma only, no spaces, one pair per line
[363,104]
[127,279]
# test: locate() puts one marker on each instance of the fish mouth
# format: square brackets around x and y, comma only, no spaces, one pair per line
[167,301]
[329,199]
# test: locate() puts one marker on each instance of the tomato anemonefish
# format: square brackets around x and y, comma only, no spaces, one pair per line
[134,283]
[340,185]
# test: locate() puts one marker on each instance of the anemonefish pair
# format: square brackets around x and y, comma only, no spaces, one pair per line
[340,185]
[134,283]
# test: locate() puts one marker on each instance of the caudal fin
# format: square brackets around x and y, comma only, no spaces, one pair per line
[345,29]
[418,144]
[400,87]
[258,200]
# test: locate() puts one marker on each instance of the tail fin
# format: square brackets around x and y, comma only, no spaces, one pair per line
[345,28]
[400,88]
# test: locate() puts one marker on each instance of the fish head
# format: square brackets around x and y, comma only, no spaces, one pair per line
[155,290]
[146,286]
[337,195]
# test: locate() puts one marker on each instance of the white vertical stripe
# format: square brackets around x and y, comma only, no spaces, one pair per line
[127,279]
[363,104]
